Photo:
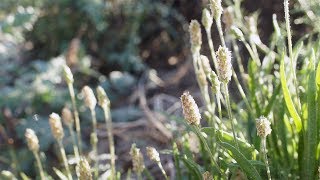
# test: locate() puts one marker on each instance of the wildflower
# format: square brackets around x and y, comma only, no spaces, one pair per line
[190,109]
[216,9]
[137,159]
[263,127]
[224,64]
[206,19]
[56,127]
[153,154]
[84,168]
[68,76]
[67,116]
[215,83]
[195,36]
[32,140]
[103,99]
[89,98]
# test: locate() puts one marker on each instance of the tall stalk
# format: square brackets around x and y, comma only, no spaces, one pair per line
[64,159]
[104,102]
[76,116]
[292,63]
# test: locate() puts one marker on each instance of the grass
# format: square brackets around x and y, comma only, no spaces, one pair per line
[273,132]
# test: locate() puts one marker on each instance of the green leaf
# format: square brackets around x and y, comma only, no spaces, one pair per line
[243,162]
[60,174]
[311,142]
[192,167]
[287,97]
[247,149]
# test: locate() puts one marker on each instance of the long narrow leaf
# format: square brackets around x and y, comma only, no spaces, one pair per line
[243,162]
[287,97]
[310,144]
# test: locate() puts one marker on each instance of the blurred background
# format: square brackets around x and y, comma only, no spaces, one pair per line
[137,50]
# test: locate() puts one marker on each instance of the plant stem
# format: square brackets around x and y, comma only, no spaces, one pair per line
[36,155]
[74,144]
[198,132]
[218,22]
[211,47]
[264,149]
[162,170]
[292,67]
[64,159]
[95,148]
[108,120]
[230,113]
[76,115]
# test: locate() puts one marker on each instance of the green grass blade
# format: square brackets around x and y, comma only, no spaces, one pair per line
[192,168]
[243,162]
[247,149]
[311,142]
[287,97]
[60,174]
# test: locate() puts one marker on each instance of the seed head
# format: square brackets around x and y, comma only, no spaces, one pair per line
[56,126]
[32,140]
[137,159]
[215,83]
[153,154]
[89,99]
[207,176]
[216,9]
[206,19]
[205,64]
[68,76]
[103,99]
[72,53]
[224,64]
[263,127]
[195,36]
[67,116]
[85,171]
[190,109]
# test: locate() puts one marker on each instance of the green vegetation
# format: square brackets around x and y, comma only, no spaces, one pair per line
[261,102]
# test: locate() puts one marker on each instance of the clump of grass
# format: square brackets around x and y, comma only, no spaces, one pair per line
[278,108]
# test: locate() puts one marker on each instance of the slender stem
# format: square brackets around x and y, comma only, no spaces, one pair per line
[264,148]
[74,144]
[162,170]
[218,22]
[139,176]
[95,148]
[36,155]
[230,113]
[292,67]
[219,105]
[213,54]
[64,159]
[76,115]
[252,54]
[197,130]
[108,120]
[238,58]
